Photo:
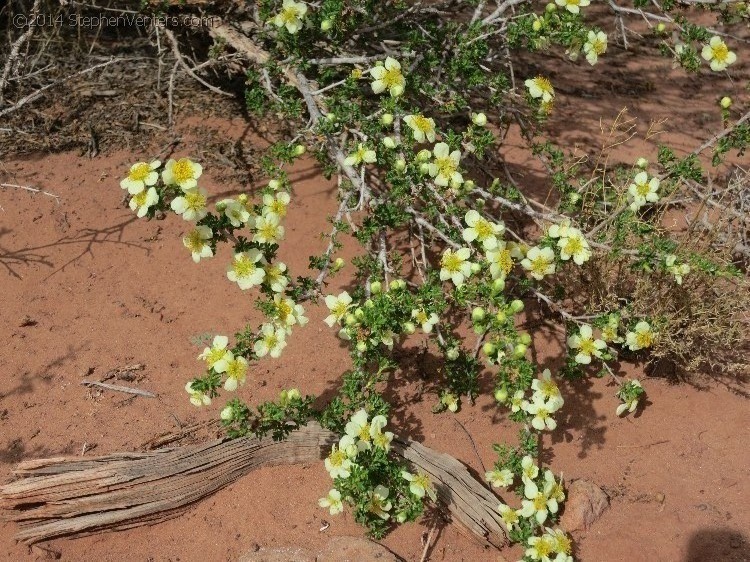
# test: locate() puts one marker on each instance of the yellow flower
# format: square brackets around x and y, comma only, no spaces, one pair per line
[332,501]
[422,127]
[539,262]
[500,260]
[388,77]
[362,154]
[540,87]
[140,202]
[236,373]
[272,341]
[183,173]
[197,241]
[641,337]
[217,356]
[275,277]
[197,398]
[573,6]
[191,204]
[268,230]
[718,54]
[247,269]
[419,484]
[455,266]
[276,205]
[482,230]
[595,46]
[444,168]
[290,16]
[379,504]
[140,176]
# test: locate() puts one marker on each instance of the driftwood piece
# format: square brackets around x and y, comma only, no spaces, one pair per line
[72,496]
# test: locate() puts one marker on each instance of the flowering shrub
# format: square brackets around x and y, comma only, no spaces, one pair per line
[408,109]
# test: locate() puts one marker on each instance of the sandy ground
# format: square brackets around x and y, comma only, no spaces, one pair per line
[87,288]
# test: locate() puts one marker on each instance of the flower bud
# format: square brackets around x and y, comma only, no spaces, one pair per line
[361,346]
[489,348]
[642,163]
[525,338]
[221,207]
[409,328]
[726,102]
[537,25]
[424,169]
[274,184]
[326,25]
[452,354]
[394,285]
[501,394]
[338,264]
[475,268]
[520,350]
[299,150]
[359,313]
[369,304]
[551,7]
[516,306]
[498,286]
[386,119]
[660,27]
[375,288]
[479,119]
[356,73]
[468,185]
[330,116]
[400,165]
[388,142]
[242,198]
[424,155]
[350,320]
[227,413]
[501,317]
[477,315]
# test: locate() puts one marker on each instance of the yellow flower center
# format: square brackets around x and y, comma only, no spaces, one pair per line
[214,356]
[271,340]
[422,480]
[140,198]
[392,77]
[573,246]
[422,123]
[542,413]
[720,52]
[278,207]
[540,502]
[236,370]
[445,165]
[543,547]
[244,266]
[484,229]
[182,170]
[195,200]
[644,339]
[337,458]
[598,46]
[557,492]
[539,265]
[549,389]
[451,262]
[283,309]
[563,544]
[643,189]
[421,317]
[364,433]
[339,309]
[543,83]
[139,172]
[609,333]
[510,517]
[381,440]
[504,260]
[194,241]
[587,346]
[290,14]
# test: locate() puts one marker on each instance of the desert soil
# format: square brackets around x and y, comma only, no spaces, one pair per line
[87,288]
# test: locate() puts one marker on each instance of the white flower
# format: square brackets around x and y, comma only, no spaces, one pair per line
[348,444]
[423,128]
[573,6]
[290,16]
[718,54]
[197,398]
[362,154]
[183,173]
[381,439]
[271,342]
[540,87]
[236,373]
[561,544]
[379,504]
[455,266]
[595,46]
[509,516]
[268,230]
[332,501]
[586,345]
[444,167]
[275,276]
[552,488]
[234,211]
[546,389]
[631,404]
[197,241]
[191,204]
[450,401]
[539,262]
[540,548]
[217,356]
[536,504]
[482,230]
[338,464]
[641,337]
[388,77]
[574,245]
[419,484]
[276,205]
[140,202]
[247,269]
[559,230]
[141,176]
[541,410]
[516,402]
[500,259]
[643,190]
[427,322]
[360,429]
[288,313]
[529,468]
[676,269]
[499,478]
[338,307]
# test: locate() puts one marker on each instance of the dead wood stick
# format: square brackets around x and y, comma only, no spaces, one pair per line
[75,496]
[119,388]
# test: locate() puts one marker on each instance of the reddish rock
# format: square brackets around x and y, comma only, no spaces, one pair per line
[584,504]
[355,549]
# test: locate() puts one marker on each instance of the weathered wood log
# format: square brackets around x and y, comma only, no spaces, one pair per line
[59,497]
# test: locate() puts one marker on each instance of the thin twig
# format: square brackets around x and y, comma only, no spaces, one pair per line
[119,388]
